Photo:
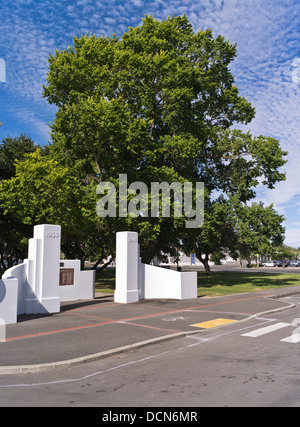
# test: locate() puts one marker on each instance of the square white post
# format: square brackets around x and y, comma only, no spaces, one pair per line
[127,260]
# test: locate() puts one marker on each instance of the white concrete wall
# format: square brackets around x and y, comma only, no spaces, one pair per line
[135,280]
[189,283]
[19,273]
[164,283]
[8,301]
[84,282]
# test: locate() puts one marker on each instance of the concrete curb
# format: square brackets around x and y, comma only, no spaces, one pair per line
[289,306]
[46,367]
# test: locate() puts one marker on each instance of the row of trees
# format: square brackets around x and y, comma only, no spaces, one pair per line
[157,104]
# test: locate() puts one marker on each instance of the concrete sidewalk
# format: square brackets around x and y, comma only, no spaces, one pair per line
[85,331]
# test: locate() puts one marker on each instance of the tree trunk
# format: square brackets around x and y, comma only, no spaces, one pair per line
[106,264]
[206,265]
[97,263]
[95,266]
[204,261]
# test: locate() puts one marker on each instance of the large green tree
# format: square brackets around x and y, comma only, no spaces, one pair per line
[178,95]
[156,104]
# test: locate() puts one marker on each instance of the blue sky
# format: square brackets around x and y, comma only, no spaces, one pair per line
[266,70]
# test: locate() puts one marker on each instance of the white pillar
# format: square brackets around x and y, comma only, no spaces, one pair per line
[127,260]
[43,270]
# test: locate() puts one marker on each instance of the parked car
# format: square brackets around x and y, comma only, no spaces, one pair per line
[285,263]
[270,264]
[294,263]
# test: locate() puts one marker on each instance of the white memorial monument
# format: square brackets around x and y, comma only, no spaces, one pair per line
[43,281]
[136,281]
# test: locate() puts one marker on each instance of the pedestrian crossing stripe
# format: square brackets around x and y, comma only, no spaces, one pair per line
[266,330]
[294,338]
[213,323]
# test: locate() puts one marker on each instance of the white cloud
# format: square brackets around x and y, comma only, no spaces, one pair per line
[137,3]
[292,237]
[263,67]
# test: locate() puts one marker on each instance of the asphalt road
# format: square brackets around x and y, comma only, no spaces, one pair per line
[248,363]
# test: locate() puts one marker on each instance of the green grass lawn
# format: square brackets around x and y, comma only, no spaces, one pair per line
[228,283]
[219,283]
[105,280]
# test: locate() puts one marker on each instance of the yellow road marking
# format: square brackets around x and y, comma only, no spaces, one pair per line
[213,323]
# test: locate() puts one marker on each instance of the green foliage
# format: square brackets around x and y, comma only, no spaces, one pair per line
[98,139]
[238,162]
[175,85]
[156,104]
[14,232]
[259,230]
[44,191]
[284,252]
[236,229]
[11,150]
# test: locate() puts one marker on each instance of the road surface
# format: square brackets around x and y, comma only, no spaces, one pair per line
[247,363]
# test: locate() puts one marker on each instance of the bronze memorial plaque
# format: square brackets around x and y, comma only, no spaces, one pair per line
[66,276]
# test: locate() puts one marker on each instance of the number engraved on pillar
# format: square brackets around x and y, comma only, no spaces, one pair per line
[52,234]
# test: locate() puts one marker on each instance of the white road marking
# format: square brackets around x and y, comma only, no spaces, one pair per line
[294,338]
[266,330]
[172,319]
